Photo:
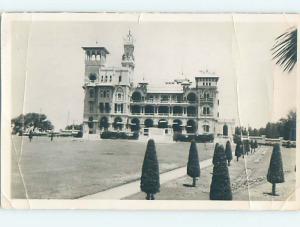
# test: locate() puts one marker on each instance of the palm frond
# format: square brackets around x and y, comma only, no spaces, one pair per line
[284,50]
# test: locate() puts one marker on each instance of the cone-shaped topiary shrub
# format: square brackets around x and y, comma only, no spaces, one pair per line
[238,150]
[150,172]
[228,152]
[220,187]
[275,173]
[215,151]
[193,166]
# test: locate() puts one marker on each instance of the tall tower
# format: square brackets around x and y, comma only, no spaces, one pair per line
[207,86]
[95,58]
[127,57]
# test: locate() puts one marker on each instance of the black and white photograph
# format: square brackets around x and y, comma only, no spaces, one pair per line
[111,110]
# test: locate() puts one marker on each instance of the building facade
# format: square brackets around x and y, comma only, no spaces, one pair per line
[113,102]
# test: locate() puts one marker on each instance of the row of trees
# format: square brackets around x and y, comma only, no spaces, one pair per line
[285,127]
[74,127]
[33,121]
[220,187]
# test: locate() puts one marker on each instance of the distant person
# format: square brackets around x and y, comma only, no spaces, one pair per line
[51,136]
[30,135]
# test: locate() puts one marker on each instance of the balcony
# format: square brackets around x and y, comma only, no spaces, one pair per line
[178,114]
[163,114]
[206,99]
[157,102]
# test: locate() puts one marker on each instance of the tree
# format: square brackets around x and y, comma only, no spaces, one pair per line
[275,172]
[238,150]
[220,187]
[23,123]
[285,49]
[73,126]
[150,172]
[285,127]
[193,166]
[228,152]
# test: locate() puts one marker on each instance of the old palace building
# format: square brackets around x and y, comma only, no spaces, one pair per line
[113,102]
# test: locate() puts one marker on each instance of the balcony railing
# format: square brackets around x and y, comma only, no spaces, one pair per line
[161,101]
[206,100]
[149,114]
[177,114]
[163,114]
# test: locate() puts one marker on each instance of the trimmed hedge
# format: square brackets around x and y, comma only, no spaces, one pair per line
[198,138]
[119,135]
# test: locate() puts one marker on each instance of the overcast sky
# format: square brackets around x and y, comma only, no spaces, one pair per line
[252,89]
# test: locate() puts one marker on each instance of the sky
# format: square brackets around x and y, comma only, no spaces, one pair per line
[47,62]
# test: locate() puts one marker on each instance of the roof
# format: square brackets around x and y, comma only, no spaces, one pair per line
[96,48]
[167,89]
[207,74]
[186,83]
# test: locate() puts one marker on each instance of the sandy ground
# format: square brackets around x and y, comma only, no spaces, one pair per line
[248,180]
[70,168]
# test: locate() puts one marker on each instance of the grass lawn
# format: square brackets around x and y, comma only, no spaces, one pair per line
[248,180]
[71,168]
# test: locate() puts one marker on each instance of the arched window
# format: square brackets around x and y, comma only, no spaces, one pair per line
[206,95]
[119,94]
[136,96]
[206,110]
[192,98]
[225,130]
[103,123]
[191,126]
[206,128]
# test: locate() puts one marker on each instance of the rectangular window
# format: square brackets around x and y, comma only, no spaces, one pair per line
[101,107]
[110,78]
[107,93]
[107,108]
[120,79]
[116,108]
[91,107]
[92,93]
